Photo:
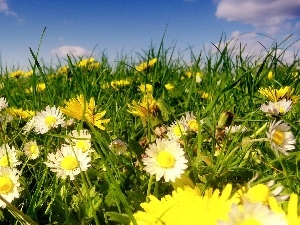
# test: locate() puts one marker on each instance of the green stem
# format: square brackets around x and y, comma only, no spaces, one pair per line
[149,187]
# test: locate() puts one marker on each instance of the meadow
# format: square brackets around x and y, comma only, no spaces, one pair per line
[152,141]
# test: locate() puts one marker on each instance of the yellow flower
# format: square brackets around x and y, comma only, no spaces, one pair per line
[81,110]
[39,88]
[188,74]
[119,83]
[275,95]
[146,65]
[89,63]
[270,75]
[63,70]
[169,86]
[24,114]
[147,108]
[146,88]
[17,74]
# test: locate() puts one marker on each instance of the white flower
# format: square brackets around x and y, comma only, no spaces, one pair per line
[47,119]
[254,213]
[8,157]
[3,103]
[9,184]
[28,126]
[165,158]
[118,146]
[281,137]
[176,130]
[69,161]
[276,108]
[31,150]
[81,140]
[235,129]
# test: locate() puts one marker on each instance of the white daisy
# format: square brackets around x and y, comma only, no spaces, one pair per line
[47,119]
[8,157]
[81,140]
[281,138]
[165,158]
[276,108]
[176,130]
[3,103]
[118,146]
[235,129]
[69,161]
[31,150]
[9,184]
[254,213]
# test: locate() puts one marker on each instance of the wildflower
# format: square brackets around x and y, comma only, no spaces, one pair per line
[3,103]
[188,74]
[276,108]
[89,63]
[16,74]
[68,161]
[198,77]
[81,110]
[118,146]
[20,113]
[281,137]
[176,130]
[146,88]
[39,88]
[143,66]
[253,213]
[28,126]
[9,184]
[187,206]
[31,150]
[47,119]
[190,122]
[8,156]
[204,95]
[119,83]
[63,70]
[28,73]
[81,139]
[169,86]
[275,95]
[270,75]
[165,158]
[149,107]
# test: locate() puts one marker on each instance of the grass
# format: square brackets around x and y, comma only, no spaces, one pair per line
[115,185]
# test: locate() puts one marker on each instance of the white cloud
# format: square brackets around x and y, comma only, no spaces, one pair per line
[4,8]
[269,14]
[71,50]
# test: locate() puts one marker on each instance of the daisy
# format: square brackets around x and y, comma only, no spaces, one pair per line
[68,161]
[9,184]
[47,119]
[8,157]
[81,139]
[31,150]
[276,108]
[189,121]
[253,213]
[177,130]
[165,158]
[28,126]
[281,137]
[3,103]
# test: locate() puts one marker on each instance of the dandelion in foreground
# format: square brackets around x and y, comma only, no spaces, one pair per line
[281,138]
[31,150]
[81,110]
[253,214]
[276,108]
[9,184]
[275,95]
[8,157]
[165,158]
[81,139]
[68,161]
[47,119]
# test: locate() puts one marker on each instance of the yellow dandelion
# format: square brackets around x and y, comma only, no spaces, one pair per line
[275,95]
[146,88]
[39,88]
[270,75]
[20,113]
[17,74]
[119,83]
[81,110]
[169,86]
[143,66]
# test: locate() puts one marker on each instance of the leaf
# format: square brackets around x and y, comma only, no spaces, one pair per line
[118,217]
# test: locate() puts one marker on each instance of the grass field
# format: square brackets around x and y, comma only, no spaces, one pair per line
[152,141]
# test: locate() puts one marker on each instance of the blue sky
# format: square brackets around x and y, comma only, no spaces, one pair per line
[116,26]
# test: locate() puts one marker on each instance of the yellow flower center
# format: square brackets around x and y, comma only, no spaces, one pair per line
[33,149]
[193,125]
[165,159]
[50,121]
[82,145]
[178,129]
[250,221]
[4,161]
[278,137]
[69,163]
[6,185]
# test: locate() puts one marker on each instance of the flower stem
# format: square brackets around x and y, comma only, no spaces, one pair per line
[149,187]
